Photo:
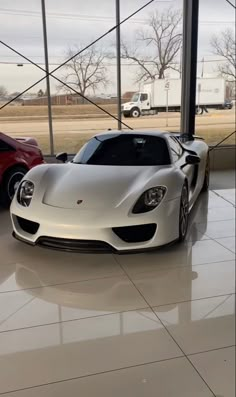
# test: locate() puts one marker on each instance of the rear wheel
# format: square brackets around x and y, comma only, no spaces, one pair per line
[199,110]
[11,182]
[183,213]
[206,182]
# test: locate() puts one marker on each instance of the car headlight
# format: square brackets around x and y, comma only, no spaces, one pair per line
[25,193]
[149,199]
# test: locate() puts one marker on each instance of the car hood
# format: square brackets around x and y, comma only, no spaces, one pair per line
[96,186]
[130,103]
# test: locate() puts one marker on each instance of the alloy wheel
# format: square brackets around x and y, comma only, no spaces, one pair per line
[184,212]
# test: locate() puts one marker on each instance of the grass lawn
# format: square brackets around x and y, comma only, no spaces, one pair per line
[71,143]
[57,111]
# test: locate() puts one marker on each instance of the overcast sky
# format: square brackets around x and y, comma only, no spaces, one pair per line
[78,21]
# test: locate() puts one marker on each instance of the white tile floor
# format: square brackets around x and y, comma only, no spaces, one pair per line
[157,324]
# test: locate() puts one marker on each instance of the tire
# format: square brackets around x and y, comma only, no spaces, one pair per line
[199,110]
[135,112]
[126,114]
[10,183]
[183,213]
[206,182]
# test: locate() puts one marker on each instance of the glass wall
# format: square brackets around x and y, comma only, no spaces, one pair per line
[216,71]
[151,50]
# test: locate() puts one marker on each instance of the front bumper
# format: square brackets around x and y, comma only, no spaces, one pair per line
[126,113]
[69,245]
[99,231]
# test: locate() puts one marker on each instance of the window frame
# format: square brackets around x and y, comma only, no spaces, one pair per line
[172,149]
[79,157]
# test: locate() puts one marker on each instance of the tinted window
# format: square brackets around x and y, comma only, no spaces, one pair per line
[143,97]
[176,149]
[124,149]
[4,147]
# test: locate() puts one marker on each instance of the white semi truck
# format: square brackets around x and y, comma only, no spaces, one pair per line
[165,95]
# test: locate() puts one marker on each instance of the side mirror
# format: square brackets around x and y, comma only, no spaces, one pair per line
[192,159]
[63,157]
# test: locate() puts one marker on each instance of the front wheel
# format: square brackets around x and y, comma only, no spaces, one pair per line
[11,182]
[135,112]
[183,213]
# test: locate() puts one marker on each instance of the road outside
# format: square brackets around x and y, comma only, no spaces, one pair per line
[71,131]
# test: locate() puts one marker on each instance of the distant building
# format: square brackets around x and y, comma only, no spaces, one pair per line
[65,99]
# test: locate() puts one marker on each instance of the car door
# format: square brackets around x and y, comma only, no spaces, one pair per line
[145,101]
[179,158]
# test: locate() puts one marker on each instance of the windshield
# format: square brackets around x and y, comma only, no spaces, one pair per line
[124,150]
[135,97]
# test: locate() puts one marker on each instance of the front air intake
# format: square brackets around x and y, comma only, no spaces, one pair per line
[136,234]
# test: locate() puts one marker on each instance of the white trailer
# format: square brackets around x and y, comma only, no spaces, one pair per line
[161,95]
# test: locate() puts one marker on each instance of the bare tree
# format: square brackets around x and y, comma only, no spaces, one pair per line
[3,91]
[87,70]
[157,46]
[224,46]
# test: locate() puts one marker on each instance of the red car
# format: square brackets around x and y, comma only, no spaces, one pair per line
[17,156]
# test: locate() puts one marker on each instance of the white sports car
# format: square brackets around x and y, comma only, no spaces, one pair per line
[123,191]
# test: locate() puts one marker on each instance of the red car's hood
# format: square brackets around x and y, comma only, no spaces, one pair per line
[27,140]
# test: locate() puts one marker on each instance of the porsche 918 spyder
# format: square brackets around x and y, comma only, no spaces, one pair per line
[123,191]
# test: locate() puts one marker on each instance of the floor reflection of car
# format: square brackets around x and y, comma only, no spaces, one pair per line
[17,157]
[82,295]
[99,297]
